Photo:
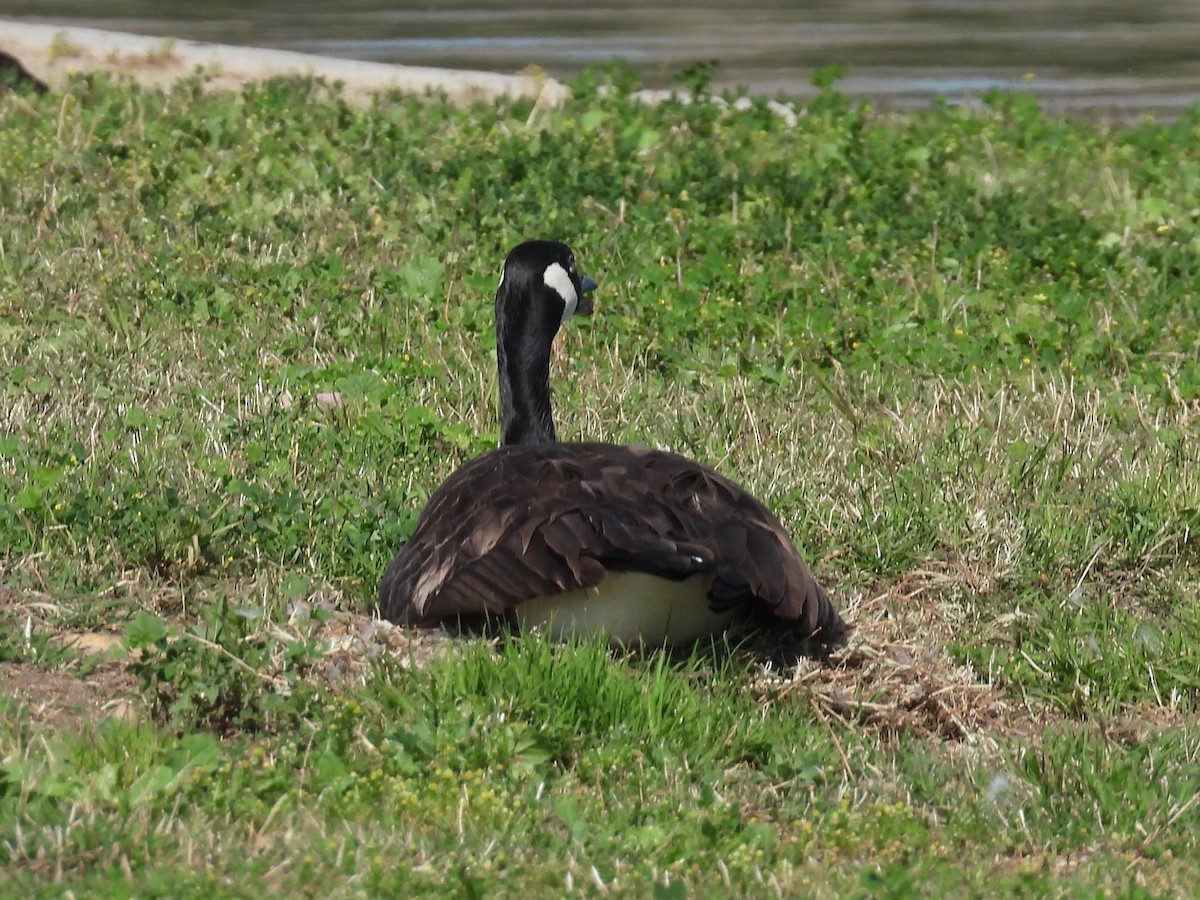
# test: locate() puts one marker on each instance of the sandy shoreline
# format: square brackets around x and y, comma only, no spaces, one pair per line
[53,53]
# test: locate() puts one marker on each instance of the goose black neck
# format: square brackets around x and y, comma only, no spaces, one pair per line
[523,360]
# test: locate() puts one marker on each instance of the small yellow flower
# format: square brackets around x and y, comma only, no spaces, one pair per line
[1163,228]
[1025,361]
[958,332]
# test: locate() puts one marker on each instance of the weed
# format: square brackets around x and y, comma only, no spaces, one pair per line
[224,675]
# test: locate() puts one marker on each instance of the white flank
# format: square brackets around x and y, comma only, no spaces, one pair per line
[630,608]
[556,277]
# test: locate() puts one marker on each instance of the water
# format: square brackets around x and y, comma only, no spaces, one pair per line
[1108,57]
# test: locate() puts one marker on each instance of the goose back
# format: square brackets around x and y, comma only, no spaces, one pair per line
[531,521]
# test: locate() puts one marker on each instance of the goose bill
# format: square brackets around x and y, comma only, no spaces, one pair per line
[584,306]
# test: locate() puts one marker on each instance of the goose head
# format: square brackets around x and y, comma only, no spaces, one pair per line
[540,289]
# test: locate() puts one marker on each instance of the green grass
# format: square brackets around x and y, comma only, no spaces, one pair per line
[955,350]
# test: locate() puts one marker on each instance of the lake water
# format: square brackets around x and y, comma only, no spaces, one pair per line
[1117,58]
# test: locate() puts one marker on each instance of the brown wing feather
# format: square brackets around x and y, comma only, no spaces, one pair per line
[533,520]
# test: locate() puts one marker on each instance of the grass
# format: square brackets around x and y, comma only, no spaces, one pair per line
[244,335]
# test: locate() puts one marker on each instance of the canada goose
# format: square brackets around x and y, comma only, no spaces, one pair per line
[582,538]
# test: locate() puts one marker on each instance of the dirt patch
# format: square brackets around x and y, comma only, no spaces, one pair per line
[81,678]
[63,702]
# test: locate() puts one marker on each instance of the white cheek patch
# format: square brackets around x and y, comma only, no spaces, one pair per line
[556,277]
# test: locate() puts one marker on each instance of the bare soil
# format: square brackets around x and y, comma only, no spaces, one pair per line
[63,702]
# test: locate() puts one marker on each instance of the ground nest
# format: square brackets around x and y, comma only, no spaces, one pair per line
[895,674]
